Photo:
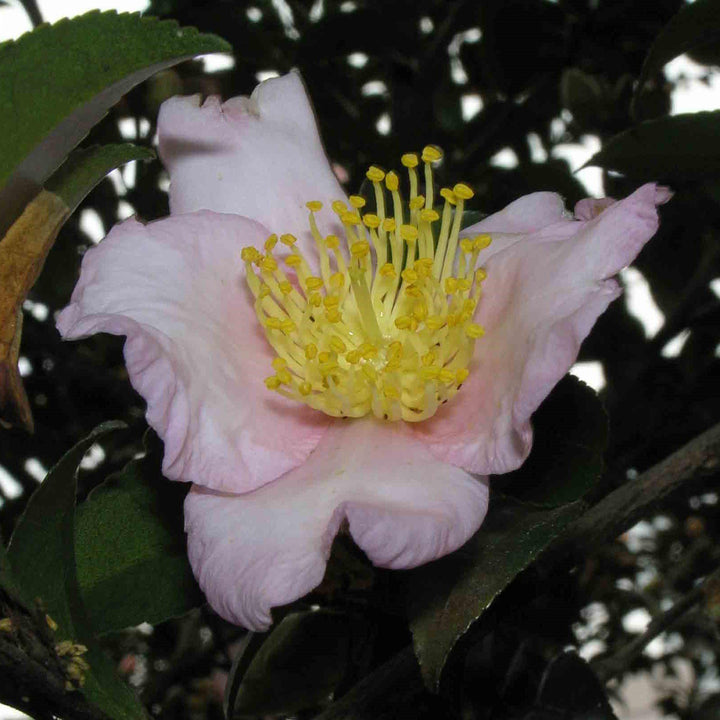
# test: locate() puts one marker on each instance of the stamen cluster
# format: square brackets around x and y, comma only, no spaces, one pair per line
[382,321]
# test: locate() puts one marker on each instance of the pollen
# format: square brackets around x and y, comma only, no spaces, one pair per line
[380,321]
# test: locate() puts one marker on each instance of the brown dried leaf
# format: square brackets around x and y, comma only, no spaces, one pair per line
[22,254]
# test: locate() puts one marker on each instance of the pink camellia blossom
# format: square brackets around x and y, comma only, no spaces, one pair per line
[368,367]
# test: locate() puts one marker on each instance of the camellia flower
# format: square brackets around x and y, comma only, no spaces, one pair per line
[367,366]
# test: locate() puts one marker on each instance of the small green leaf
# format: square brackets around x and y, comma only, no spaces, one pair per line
[695,25]
[42,558]
[448,596]
[7,579]
[130,547]
[678,147]
[57,81]
[301,663]
[570,436]
[85,168]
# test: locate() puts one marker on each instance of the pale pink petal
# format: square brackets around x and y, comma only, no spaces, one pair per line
[194,348]
[260,157]
[255,551]
[590,208]
[541,298]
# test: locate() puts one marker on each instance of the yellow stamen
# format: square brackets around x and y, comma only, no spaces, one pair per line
[386,326]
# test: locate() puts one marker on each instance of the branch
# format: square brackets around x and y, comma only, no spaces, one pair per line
[33,11]
[623,507]
[609,667]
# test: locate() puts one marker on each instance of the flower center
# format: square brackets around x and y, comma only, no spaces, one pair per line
[385,326]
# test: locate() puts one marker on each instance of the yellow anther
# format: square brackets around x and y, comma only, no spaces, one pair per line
[409,233]
[482,241]
[428,359]
[288,326]
[403,322]
[339,206]
[461,375]
[284,377]
[434,322]
[480,274]
[332,242]
[265,291]
[329,367]
[288,239]
[272,382]
[429,215]
[249,254]
[337,280]
[324,356]
[420,311]
[463,191]
[271,242]
[469,305]
[430,373]
[473,330]
[357,201]
[467,245]
[369,373]
[333,315]
[274,323]
[331,301]
[449,195]
[417,202]
[431,153]
[305,388]
[451,285]
[409,276]
[293,260]
[392,182]
[269,264]
[368,350]
[409,160]
[391,392]
[279,363]
[360,249]
[6,625]
[353,357]
[374,174]
[313,282]
[423,264]
[350,218]
[315,299]
[395,350]
[311,351]
[464,284]
[313,205]
[413,291]
[372,221]
[388,225]
[387,270]
[285,287]
[446,376]
[337,345]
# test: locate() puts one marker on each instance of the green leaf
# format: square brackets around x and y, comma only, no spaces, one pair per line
[302,662]
[7,579]
[85,168]
[42,557]
[570,436]
[57,81]
[130,547]
[695,25]
[448,596]
[678,147]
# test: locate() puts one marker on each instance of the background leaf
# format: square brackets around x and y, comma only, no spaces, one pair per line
[679,147]
[86,167]
[95,60]
[694,26]
[130,547]
[42,557]
[446,597]
[570,435]
[301,663]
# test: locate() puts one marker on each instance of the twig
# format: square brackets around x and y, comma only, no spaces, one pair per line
[33,11]
[623,507]
[609,667]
